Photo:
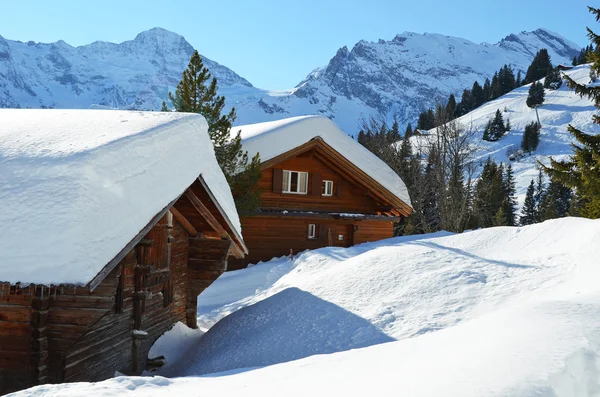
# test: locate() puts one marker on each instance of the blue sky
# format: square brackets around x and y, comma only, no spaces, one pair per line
[276,43]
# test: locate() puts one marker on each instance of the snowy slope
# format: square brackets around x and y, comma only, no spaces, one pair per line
[404,75]
[274,138]
[495,312]
[561,108]
[81,184]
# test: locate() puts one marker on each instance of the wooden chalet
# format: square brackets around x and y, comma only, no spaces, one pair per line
[86,331]
[319,188]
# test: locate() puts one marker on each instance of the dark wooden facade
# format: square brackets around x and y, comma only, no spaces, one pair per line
[65,333]
[358,210]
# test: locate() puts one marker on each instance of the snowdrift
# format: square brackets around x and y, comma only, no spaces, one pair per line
[495,312]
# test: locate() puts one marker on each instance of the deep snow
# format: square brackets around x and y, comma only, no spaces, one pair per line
[78,185]
[495,312]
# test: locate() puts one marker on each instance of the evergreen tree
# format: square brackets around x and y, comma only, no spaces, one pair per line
[431,196]
[508,126]
[495,129]
[539,192]
[489,195]
[506,80]
[426,120]
[528,212]
[394,133]
[535,97]
[451,106]
[509,204]
[582,170]
[164,107]
[553,79]
[575,62]
[556,201]
[478,95]
[519,81]
[495,90]
[487,89]
[194,94]
[531,137]
[539,66]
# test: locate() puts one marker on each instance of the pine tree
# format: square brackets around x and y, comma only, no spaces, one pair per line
[553,79]
[510,196]
[495,90]
[508,126]
[495,129]
[489,195]
[451,106]
[519,81]
[582,170]
[164,107]
[531,137]
[539,192]
[535,97]
[394,133]
[487,89]
[194,94]
[575,63]
[478,95]
[539,66]
[528,212]
[556,201]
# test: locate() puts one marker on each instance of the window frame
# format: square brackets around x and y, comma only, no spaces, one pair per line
[325,183]
[312,226]
[289,182]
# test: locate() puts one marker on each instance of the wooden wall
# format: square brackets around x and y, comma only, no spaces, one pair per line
[268,237]
[373,230]
[347,197]
[73,334]
[15,337]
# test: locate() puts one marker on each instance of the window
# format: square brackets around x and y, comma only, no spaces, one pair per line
[327,189]
[295,182]
[312,231]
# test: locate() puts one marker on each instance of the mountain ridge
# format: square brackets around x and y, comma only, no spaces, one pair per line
[400,77]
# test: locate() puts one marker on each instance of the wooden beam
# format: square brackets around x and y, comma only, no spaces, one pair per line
[208,216]
[184,222]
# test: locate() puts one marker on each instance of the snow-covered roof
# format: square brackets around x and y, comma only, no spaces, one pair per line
[274,138]
[77,185]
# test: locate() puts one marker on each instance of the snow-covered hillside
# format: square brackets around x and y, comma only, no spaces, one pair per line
[561,108]
[405,75]
[495,312]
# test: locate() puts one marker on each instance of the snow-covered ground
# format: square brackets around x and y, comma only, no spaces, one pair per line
[561,108]
[495,312]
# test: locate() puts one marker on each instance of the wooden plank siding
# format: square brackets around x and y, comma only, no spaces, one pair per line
[346,196]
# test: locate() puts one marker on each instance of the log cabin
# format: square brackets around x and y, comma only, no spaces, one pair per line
[113,223]
[319,188]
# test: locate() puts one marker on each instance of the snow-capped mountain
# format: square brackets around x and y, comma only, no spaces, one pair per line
[135,74]
[402,76]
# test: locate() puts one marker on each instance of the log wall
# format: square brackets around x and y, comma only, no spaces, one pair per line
[268,237]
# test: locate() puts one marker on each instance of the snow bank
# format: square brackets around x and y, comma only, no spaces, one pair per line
[495,312]
[78,185]
[274,138]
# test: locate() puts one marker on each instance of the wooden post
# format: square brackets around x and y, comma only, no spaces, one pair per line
[39,339]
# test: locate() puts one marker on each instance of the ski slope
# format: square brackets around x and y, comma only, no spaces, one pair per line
[494,312]
[561,108]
